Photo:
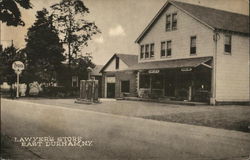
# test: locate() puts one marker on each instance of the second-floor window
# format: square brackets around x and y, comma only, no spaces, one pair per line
[171,22]
[168,23]
[142,52]
[163,49]
[193,45]
[117,63]
[146,51]
[174,21]
[169,48]
[228,44]
[152,46]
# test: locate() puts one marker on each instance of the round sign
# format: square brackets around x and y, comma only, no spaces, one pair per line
[18,66]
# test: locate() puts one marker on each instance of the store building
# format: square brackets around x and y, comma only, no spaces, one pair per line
[117,80]
[194,53]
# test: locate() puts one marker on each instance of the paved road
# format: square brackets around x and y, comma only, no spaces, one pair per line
[118,137]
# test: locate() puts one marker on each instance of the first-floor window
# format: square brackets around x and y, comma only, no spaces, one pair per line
[125,86]
[157,82]
[144,81]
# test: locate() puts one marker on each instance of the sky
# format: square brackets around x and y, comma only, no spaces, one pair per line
[120,22]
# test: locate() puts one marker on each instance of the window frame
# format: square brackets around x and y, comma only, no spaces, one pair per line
[126,87]
[163,50]
[167,48]
[117,63]
[168,23]
[151,51]
[230,44]
[142,53]
[193,50]
[147,51]
[172,19]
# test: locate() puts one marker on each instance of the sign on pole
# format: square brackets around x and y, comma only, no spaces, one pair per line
[17,66]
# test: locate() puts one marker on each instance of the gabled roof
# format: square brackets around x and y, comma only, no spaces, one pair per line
[128,59]
[96,71]
[212,18]
[170,64]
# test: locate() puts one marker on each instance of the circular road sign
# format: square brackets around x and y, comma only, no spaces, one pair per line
[18,66]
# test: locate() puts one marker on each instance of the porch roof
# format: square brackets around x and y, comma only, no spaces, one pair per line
[168,64]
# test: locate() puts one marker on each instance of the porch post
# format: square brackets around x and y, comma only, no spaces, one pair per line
[138,83]
[216,37]
[150,80]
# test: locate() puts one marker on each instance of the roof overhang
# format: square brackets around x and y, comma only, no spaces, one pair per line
[172,64]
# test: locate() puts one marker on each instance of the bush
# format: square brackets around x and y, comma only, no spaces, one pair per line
[60,92]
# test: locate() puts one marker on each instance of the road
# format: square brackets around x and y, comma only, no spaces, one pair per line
[117,137]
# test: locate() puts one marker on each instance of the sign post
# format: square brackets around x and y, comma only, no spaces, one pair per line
[18,66]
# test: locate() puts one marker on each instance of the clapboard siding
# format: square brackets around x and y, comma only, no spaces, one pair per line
[232,77]
[186,27]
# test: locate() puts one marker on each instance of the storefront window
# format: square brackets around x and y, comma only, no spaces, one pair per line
[157,82]
[144,81]
[125,86]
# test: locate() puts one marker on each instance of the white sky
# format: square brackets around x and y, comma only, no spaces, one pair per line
[121,22]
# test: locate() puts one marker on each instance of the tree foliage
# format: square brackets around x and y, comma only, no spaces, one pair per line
[10,13]
[69,18]
[44,49]
[7,57]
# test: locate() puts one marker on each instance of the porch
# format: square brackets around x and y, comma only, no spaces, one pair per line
[186,80]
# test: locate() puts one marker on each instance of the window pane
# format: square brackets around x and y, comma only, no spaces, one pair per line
[193,45]
[169,48]
[125,85]
[193,41]
[163,48]
[147,51]
[142,51]
[144,81]
[117,63]
[174,21]
[228,40]
[228,45]
[152,50]
[157,82]
[168,44]
[168,22]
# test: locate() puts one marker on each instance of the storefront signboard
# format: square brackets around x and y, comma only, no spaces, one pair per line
[153,71]
[110,79]
[187,69]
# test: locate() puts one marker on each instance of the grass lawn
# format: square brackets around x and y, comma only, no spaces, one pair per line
[232,119]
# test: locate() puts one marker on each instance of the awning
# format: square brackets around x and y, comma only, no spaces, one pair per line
[168,64]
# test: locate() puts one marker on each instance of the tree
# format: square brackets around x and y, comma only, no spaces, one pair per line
[44,49]
[10,13]
[68,15]
[7,57]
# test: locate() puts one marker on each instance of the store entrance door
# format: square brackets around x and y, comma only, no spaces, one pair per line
[110,90]
[169,87]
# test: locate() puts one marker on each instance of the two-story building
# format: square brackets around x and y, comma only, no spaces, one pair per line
[117,80]
[195,53]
